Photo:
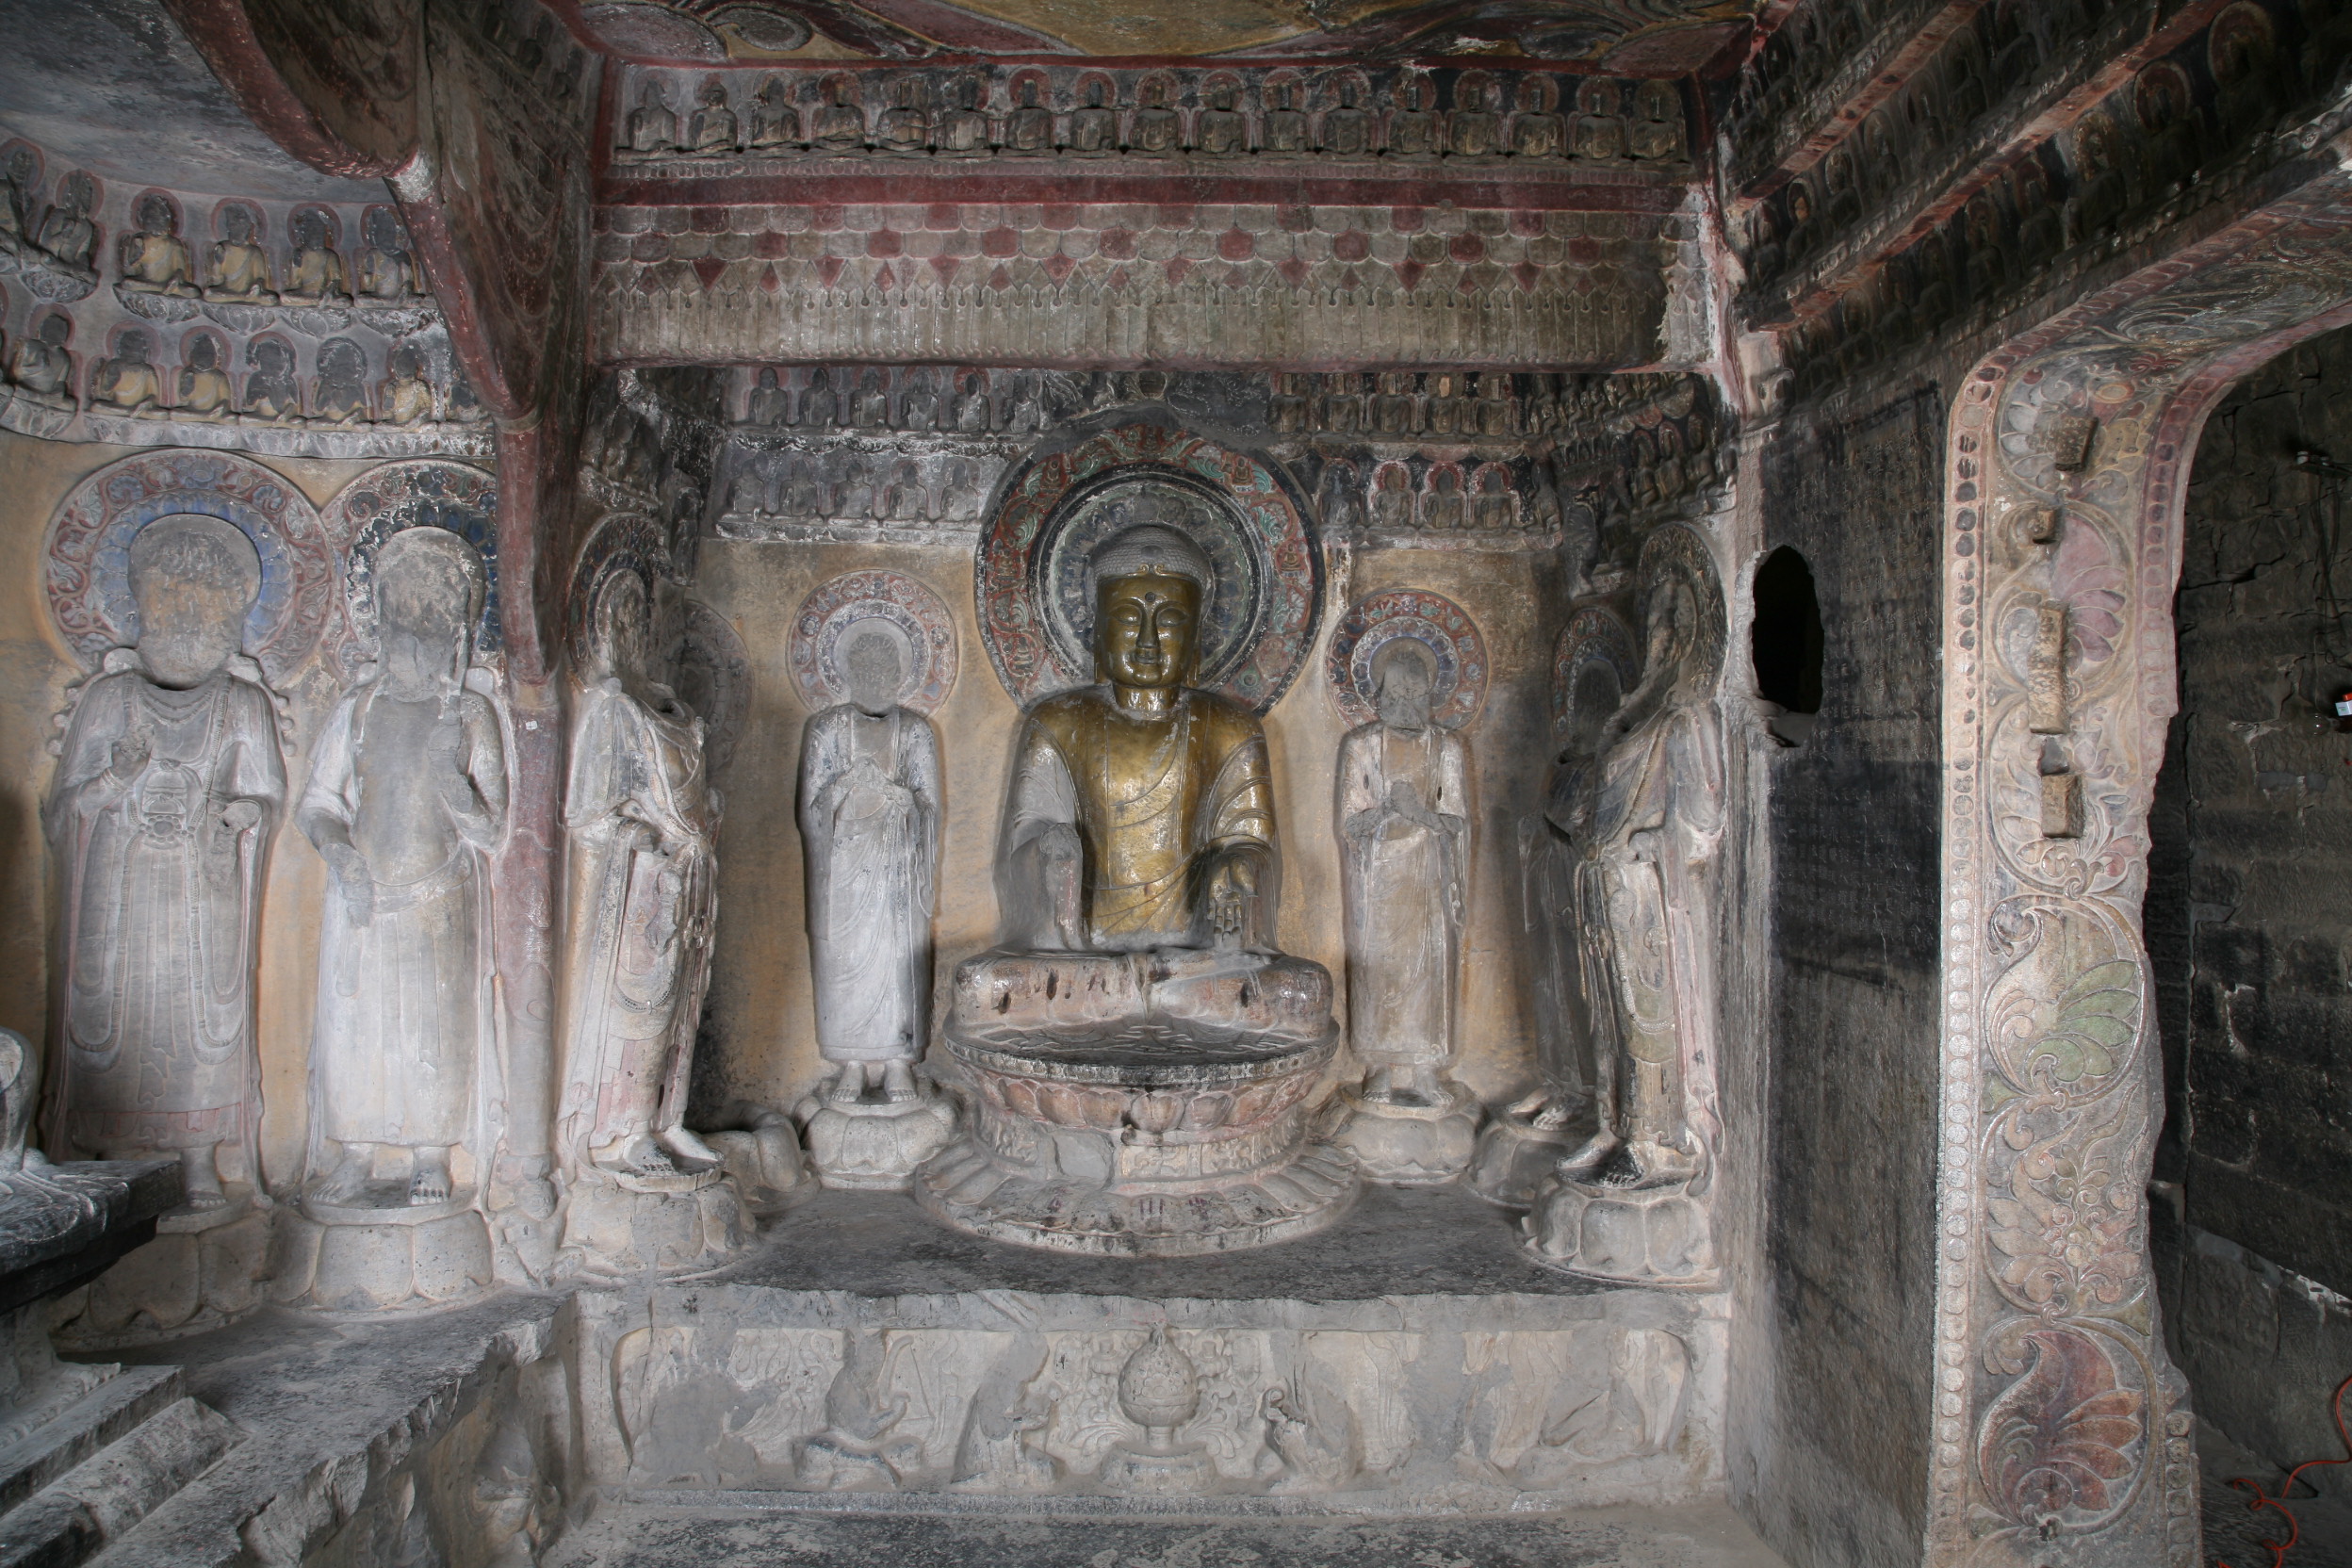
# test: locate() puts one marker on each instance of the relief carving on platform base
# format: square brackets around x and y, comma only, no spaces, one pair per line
[1634,1201]
[1575,1411]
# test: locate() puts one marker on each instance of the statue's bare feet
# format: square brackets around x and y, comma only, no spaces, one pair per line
[688,1150]
[849,1088]
[639,1155]
[350,1177]
[201,1180]
[1588,1158]
[898,1082]
[430,1182]
[1655,1164]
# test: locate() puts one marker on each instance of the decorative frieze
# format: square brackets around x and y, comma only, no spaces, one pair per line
[684,123]
[1103,283]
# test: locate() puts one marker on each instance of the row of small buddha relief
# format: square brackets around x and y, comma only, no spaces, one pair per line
[280,381]
[1468,405]
[238,264]
[1157,113]
[1420,494]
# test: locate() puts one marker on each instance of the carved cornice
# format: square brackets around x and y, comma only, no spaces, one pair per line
[1114,285]
[1097,123]
[1976,156]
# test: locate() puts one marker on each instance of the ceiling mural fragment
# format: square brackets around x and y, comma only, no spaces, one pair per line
[1642,37]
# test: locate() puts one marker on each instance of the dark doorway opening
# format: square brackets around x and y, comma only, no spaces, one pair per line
[1785,641]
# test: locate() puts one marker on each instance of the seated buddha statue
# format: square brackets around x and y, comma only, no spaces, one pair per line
[1137,1054]
[1141,826]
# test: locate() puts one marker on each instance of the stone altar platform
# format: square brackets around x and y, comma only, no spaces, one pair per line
[1123,1105]
[1407,1359]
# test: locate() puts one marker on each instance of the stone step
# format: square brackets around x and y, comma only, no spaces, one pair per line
[129,1396]
[1703,1534]
[99,1500]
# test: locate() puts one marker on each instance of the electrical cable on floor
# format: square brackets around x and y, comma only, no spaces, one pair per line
[2260,1500]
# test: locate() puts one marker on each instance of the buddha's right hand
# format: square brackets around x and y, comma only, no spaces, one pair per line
[1059,845]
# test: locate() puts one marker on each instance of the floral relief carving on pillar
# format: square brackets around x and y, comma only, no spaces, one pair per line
[2059,1416]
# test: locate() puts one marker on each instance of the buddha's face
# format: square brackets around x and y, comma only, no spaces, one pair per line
[1147,629]
[190,624]
[874,672]
[1405,689]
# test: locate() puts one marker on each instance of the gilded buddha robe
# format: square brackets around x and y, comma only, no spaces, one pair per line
[1152,796]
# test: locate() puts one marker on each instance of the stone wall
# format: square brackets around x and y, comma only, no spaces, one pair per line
[2249,931]
[1849,1159]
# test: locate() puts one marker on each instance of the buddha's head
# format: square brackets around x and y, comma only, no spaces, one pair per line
[194,580]
[875,660]
[429,591]
[620,627]
[1404,680]
[1151,584]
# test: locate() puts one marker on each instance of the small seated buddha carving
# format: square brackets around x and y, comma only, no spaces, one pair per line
[1156,129]
[129,380]
[1285,122]
[241,268]
[156,260]
[652,124]
[1347,126]
[712,127]
[774,121]
[316,275]
[1537,131]
[961,131]
[904,127]
[405,398]
[1224,129]
[1029,129]
[1093,124]
[386,270]
[42,363]
[840,125]
[205,390]
[1412,129]
[1140,986]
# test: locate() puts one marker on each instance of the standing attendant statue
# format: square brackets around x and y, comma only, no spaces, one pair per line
[168,790]
[407,795]
[1631,1203]
[1404,824]
[642,822]
[870,832]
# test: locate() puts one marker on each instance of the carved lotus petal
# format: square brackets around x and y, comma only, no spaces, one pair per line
[1020,1097]
[1207,1111]
[1155,1112]
[1064,1105]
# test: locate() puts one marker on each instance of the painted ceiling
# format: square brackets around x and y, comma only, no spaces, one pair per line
[1630,37]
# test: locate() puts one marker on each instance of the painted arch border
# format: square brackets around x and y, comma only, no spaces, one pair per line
[2007,1366]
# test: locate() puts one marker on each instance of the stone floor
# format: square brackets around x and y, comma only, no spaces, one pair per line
[2234,1533]
[1693,1536]
[1394,1241]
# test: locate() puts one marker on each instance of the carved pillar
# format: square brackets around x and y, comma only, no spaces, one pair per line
[2063,1432]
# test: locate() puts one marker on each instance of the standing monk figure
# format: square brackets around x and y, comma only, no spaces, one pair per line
[407,795]
[167,792]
